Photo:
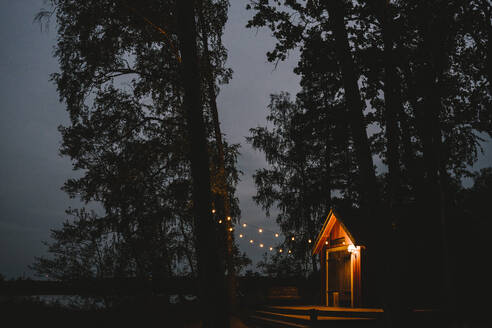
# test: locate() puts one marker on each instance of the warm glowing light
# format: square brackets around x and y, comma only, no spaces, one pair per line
[228,218]
[240,235]
[353,249]
[276,235]
[326,242]
[230,229]
[271,248]
[244,225]
[220,221]
[251,241]
[260,230]
[261,245]
[213,210]
[293,238]
[309,241]
[280,250]
[290,251]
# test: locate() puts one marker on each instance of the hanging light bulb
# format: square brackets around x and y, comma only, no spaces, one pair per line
[228,218]
[261,245]
[293,238]
[230,229]
[213,210]
[280,250]
[309,241]
[271,248]
[290,251]
[251,241]
[240,235]
[220,221]
[244,225]
[326,242]
[260,230]
[276,235]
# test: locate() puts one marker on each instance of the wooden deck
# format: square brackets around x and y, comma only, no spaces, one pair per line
[328,308]
[315,316]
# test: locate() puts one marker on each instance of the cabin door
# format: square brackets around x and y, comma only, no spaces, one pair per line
[339,286]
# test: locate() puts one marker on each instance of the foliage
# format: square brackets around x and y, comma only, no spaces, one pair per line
[120,79]
[442,90]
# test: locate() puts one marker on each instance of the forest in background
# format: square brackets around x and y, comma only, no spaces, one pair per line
[403,82]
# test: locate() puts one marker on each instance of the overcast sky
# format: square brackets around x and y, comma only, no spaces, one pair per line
[32,172]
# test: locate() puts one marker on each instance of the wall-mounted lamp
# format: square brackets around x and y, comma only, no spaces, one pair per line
[353,249]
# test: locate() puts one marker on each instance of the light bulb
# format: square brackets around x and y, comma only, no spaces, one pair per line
[260,230]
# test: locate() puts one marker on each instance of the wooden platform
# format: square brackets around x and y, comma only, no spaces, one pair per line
[315,316]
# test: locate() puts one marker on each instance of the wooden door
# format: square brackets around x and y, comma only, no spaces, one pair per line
[339,278]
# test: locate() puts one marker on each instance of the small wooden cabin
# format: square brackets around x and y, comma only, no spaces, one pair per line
[342,262]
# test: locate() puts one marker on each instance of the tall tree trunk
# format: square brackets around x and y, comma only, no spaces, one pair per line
[225,202]
[210,272]
[355,106]
[393,105]
[375,222]
[435,38]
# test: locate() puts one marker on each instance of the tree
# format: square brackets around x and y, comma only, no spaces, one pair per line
[221,176]
[126,74]
[210,273]
[426,88]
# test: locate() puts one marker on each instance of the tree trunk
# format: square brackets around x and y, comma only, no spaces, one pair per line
[375,218]
[210,273]
[367,180]
[435,38]
[225,201]
[393,105]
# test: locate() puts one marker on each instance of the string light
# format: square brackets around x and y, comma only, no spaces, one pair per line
[261,230]
[213,211]
[326,242]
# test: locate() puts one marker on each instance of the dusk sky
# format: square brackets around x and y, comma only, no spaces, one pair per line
[31,170]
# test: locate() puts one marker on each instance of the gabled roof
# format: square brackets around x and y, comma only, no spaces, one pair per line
[330,221]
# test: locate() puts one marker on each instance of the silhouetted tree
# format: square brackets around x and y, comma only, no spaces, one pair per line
[139,132]
[419,67]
